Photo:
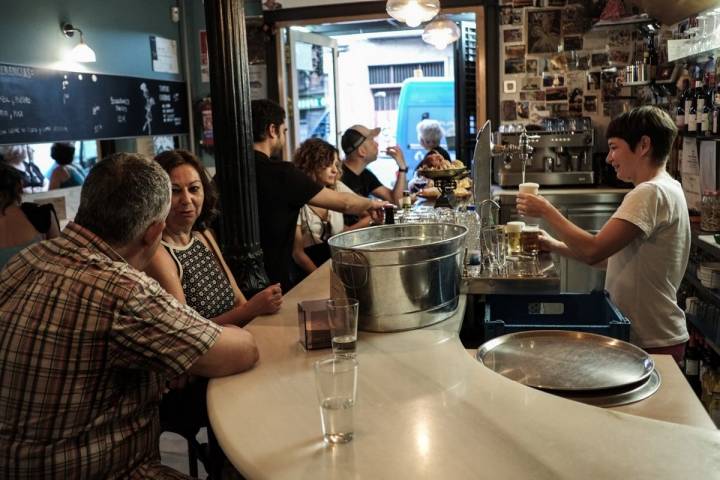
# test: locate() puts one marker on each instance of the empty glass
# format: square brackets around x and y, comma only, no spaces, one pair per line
[494,249]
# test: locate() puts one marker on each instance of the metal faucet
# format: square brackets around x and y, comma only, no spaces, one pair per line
[525,148]
[490,221]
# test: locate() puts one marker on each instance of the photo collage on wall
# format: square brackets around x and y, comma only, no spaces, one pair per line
[553,64]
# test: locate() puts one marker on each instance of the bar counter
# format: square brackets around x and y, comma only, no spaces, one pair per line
[427,409]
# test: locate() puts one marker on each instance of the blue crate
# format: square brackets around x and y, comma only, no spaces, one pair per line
[584,312]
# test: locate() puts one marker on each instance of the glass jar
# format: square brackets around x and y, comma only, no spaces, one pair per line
[710,212]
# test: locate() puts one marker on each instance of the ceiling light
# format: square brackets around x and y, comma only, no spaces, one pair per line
[413,12]
[80,52]
[440,33]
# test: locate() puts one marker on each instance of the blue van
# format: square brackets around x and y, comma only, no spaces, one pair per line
[422,98]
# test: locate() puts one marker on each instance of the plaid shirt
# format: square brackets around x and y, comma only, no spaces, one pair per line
[86,344]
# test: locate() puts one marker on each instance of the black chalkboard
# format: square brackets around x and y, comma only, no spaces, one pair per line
[41,105]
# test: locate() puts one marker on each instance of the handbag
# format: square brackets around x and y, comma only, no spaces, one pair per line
[319,253]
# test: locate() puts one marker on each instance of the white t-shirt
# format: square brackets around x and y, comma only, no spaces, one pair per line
[643,277]
[312,226]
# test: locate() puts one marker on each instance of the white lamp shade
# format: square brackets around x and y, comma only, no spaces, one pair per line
[82,53]
[440,33]
[412,12]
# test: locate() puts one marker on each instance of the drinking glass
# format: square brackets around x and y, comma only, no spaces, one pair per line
[530,240]
[343,319]
[494,249]
[336,386]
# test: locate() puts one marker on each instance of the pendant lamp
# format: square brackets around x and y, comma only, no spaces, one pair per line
[440,33]
[412,12]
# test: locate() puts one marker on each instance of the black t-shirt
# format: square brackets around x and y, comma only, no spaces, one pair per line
[282,190]
[362,184]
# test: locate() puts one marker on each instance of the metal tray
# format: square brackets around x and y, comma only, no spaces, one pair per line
[443,173]
[616,397]
[561,360]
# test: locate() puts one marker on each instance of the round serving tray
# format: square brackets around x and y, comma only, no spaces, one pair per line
[616,397]
[445,173]
[566,361]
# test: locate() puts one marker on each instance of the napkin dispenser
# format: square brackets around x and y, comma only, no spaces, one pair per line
[314,329]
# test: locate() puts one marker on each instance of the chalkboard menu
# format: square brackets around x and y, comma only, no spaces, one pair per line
[41,105]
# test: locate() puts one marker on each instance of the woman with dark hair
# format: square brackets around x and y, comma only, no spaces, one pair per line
[21,224]
[19,157]
[319,160]
[65,174]
[191,267]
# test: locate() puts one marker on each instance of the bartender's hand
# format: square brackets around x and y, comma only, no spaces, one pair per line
[377,212]
[548,243]
[397,154]
[267,301]
[532,205]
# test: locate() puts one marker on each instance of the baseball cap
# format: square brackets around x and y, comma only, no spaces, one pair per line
[355,136]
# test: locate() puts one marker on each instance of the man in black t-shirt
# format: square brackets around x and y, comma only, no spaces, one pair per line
[282,190]
[361,149]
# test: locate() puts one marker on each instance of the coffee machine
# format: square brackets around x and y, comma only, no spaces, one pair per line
[552,157]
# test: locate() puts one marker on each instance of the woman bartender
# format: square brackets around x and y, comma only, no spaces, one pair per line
[646,243]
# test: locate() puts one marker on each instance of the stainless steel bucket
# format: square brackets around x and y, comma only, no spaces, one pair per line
[405,276]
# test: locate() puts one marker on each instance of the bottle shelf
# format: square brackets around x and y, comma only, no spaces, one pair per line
[706,330]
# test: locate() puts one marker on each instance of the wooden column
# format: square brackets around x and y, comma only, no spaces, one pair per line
[232,129]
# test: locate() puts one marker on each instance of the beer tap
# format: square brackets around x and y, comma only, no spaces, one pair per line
[525,149]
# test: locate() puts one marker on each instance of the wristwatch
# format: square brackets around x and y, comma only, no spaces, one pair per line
[403,170]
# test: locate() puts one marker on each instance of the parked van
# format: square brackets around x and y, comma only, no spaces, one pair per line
[422,98]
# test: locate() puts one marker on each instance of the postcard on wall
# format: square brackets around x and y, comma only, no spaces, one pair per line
[619,57]
[531,65]
[599,60]
[543,31]
[513,35]
[572,21]
[575,80]
[593,80]
[523,110]
[534,95]
[510,16]
[594,41]
[550,80]
[590,104]
[508,110]
[514,66]
[509,86]
[620,38]
[515,51]
[556,94]
[572,42]
[164,55]
[530,83]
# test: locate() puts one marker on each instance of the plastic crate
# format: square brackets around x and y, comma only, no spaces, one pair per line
[583,312]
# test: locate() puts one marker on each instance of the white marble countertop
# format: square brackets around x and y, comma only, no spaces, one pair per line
[426,409]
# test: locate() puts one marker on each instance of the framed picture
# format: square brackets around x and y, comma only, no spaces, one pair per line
[509,86]
[514,66]
[556,94]
[531,66]
[572,42]
[543,31]
[508,110]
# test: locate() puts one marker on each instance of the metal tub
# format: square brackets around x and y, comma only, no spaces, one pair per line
[405,276]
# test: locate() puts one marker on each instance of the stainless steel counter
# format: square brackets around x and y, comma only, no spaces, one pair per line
[487,285]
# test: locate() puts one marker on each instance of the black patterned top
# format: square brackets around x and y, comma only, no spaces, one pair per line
[204,282]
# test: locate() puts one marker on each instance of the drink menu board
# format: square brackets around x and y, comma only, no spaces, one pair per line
[42,105]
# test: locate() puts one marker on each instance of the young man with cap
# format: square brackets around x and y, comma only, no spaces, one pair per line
[361,149]
[283,189]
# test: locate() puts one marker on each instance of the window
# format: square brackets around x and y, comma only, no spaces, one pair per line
[390,74]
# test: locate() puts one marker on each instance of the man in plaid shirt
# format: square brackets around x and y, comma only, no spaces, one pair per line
[87,341]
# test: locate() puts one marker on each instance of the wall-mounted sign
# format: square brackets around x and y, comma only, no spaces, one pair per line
[164,55]
[41,105]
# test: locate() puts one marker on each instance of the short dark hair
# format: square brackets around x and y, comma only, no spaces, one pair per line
[63,153]
[11,182]
[314,155]
[648,120]
[171,159]
[265,113]
[122,196]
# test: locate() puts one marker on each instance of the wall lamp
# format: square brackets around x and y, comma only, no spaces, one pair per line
[80,52]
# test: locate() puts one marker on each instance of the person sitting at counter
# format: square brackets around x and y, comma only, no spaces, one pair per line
[361,149]
[19,157]
[646,243]
[94,339]
[191,267]
[64,173]
[21,224]
[282,191]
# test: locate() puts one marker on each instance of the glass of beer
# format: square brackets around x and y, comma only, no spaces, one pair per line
[530,239]
[529,187]
[513,231]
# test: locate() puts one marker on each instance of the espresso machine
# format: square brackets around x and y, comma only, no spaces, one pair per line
[551,158]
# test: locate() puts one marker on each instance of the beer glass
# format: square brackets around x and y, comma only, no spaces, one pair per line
[513,231]
[530,240]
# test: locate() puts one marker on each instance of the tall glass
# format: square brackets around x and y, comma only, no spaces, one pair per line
[343,320]
[513,231]
[336,386]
